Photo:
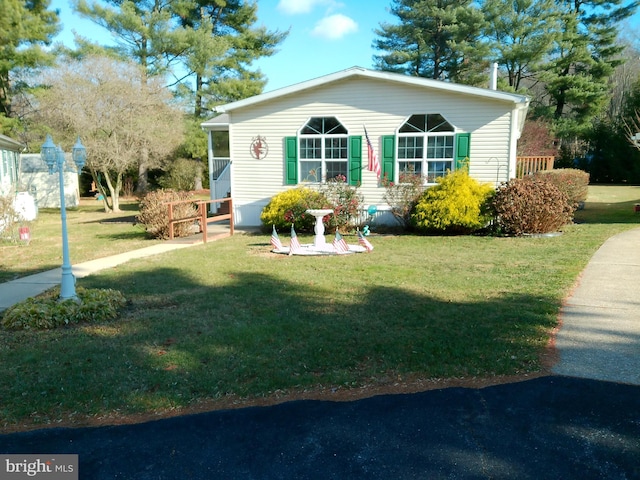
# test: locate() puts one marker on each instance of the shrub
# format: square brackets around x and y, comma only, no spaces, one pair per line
[7,218]
[46,311]
[532,204]
[573,182]
[457,204]
[181,174]
[345,201]
[288,207]
[154,213]
[403,195]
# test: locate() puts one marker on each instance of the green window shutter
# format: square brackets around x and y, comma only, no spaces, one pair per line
[388,157]
[355,160]
[463,149]
[291,160]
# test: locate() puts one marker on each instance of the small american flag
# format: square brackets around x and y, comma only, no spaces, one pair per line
[295,243]
[374,164]
[275,240]
[364,242]
[339,244]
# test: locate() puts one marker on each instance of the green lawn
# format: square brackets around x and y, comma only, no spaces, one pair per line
[231,319]
[92,234]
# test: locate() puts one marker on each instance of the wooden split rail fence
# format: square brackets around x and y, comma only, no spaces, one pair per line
[201,216]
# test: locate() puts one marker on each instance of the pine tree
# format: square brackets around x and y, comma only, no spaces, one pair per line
[521,33]
[25,28]
[584,58]
[436,39]
[225,44]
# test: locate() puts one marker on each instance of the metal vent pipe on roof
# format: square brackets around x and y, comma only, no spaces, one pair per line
[493,81]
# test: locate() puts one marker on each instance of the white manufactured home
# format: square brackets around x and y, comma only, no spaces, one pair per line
[317,130]
[9,164]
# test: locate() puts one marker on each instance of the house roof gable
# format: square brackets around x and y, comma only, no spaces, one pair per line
[352,72]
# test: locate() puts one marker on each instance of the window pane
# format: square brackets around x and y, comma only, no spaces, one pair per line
[220,144]
[437,123]
[437,169]
[335,148]
[313,126]
[410,168]
[310,171]
[440,147]
[311,148]
[416,123]
[410,147]
[333,126]
[323,125]
[336,168]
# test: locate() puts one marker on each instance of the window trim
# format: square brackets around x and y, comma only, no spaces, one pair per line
[425,135]
[323,146]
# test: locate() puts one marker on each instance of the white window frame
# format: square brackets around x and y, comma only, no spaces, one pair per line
[323,160]
[424,141]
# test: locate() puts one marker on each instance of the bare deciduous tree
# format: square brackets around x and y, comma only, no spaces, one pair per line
[633,130]
[119,118]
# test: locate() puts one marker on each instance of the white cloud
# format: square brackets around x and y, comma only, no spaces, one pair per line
[334,27]
[295,7]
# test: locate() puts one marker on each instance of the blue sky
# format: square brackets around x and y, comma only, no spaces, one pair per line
[325,35]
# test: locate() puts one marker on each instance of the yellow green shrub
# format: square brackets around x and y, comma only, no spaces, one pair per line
[458,204]
[289,207]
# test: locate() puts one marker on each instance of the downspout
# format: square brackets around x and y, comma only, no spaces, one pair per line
[518,116]
[210,164]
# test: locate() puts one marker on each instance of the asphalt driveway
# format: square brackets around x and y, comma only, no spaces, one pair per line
[546,428]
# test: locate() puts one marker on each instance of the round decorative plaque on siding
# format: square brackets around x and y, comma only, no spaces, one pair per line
[259,148]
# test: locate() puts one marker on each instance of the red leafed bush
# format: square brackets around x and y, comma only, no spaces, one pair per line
[532,204]
[573,182]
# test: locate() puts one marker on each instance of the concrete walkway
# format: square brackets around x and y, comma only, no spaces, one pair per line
[20,289]
[600,333]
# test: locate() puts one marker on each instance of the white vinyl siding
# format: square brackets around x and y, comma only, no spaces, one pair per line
[379,106]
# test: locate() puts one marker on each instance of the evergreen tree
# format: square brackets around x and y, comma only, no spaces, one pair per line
[25,28]
[143,30]
[585,56]
[436,39]
[225,42]
[520,34]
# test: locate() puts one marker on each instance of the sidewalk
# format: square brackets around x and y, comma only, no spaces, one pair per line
[599,337]
[18,290]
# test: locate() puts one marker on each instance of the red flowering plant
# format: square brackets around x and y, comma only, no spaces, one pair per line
[345,200]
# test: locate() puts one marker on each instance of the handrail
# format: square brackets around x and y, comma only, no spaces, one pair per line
[201,217]
[532,164]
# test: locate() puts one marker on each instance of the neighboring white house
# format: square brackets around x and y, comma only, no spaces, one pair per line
[9,161]
[315,130]
[45,187]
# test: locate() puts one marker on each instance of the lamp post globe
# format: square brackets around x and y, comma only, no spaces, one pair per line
[54,158]
[49,153]
[79,154]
